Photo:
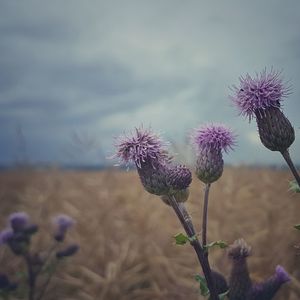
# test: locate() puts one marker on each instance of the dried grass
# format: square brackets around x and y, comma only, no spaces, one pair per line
[125,234]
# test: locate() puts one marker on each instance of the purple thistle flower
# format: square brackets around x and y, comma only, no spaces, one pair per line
[18,221]
[256,94]
[62,223]
[213,137]
[210,140]
[142,147]
[6,235]
[267,289]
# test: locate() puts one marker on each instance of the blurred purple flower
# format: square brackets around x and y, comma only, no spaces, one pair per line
[142,147]
[68,251]
[213,137]
[62,223]
[255,94]
[18,221]
[6,235]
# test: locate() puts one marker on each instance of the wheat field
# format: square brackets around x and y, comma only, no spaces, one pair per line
[125,234]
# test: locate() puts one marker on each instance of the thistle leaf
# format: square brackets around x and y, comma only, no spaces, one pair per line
[297,226]
[294,187]
[182,239]
[203,286]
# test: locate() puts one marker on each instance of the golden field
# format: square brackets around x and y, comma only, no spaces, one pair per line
[125,234]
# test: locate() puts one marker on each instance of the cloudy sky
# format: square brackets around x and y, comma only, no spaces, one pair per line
[75,74]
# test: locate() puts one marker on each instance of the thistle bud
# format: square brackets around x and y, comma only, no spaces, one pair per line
[275,130]
[154,178]
[209,165]
[239,280]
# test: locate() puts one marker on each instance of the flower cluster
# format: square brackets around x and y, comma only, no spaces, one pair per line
[17,236]
[157,172]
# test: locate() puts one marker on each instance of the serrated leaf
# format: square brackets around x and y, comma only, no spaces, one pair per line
[297,226]
[223,295]
[203,286]
[181,239]
[220,244]
[294,187]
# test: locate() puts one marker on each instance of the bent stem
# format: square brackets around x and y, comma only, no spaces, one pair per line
[187,224]
[204,217]
[287,157]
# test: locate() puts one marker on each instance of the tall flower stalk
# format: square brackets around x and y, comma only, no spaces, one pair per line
[210,141]
[161,177]
[260,97]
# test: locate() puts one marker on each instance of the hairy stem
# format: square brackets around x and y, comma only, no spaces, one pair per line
[286,156]
[204,217]
[187,224]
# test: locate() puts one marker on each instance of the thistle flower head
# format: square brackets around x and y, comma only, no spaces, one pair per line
[18,221]
[142,146]
[62,223]
[213,137]
[259,93]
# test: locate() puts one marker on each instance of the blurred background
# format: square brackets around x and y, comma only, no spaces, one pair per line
[76,74]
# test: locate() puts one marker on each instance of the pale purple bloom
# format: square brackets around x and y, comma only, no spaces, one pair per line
[255,94]
[18,221]
[141,147]
[62,223]
[6,235]
[213,137]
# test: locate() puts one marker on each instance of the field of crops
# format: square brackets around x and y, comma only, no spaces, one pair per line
[125,234]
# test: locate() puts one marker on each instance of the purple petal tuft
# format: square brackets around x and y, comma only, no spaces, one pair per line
[258,93]
[142,146]
[213,137]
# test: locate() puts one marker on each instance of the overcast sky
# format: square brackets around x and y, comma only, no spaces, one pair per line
[75,74]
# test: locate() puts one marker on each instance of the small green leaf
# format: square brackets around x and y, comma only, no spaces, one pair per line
[181,239]
[294,187]
[297,226]
[220,244]
[203,286]
[223,295]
